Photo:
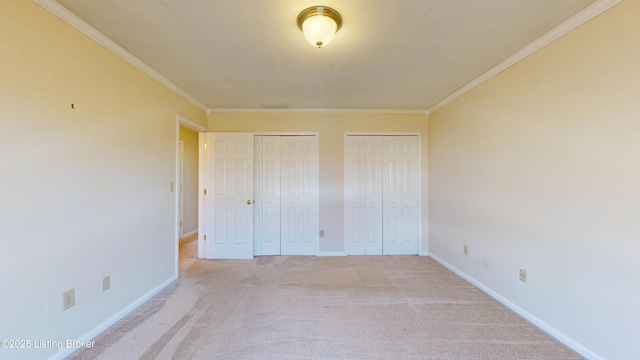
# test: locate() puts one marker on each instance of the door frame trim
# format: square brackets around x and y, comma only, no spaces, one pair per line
[419,135]
[181,194]
[180,120]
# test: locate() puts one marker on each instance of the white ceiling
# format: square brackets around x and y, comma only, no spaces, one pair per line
[391,55]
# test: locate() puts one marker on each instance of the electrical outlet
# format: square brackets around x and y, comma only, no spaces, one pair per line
[465,249]
[322,233]
[106,283]
[68,299]
[523,275]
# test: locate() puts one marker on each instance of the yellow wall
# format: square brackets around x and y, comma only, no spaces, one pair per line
[539,169]
[331,128]
[190,180]
[85,191]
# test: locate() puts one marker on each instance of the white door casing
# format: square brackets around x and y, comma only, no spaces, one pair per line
[267,195]
[229,196]
[182,121]
[363,195]
[181,194]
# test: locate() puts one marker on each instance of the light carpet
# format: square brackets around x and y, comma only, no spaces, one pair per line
[289,307]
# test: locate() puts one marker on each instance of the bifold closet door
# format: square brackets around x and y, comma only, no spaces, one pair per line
[286,195]
[382,196]
[267,196]
[298,195]
[401,199]
[363,195]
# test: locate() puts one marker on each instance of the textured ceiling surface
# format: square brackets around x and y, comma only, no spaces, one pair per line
[393,55]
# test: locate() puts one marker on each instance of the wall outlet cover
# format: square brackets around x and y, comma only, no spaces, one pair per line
[68,299]
[523,275]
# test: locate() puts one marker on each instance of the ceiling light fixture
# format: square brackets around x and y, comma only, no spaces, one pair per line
[319,24]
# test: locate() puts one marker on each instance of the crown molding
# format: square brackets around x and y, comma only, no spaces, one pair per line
[316,111]
[580,18]
[60,11]
[587,14]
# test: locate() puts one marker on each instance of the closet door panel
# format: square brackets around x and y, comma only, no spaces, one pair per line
[267,200]
[363,195]
[401,195]
[299,195]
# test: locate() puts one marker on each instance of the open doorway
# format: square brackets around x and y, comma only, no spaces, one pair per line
[186,190]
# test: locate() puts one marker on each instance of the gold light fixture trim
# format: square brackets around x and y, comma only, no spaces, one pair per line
[319,13]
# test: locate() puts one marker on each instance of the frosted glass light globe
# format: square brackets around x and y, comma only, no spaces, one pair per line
[319,30]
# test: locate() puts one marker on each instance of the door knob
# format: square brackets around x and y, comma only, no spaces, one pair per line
[249,202]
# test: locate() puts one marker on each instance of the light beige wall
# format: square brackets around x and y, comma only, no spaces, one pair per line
[331,128]
[539,169]
[85,191]
[190,181]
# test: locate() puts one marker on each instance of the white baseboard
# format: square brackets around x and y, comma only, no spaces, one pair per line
[577,347]
[327,253]
[190,233]
[424,253]
[113,319]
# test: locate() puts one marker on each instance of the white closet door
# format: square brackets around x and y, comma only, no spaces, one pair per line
[229,185]
[267,196]
[401,195]
[363,195]
[299,230]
